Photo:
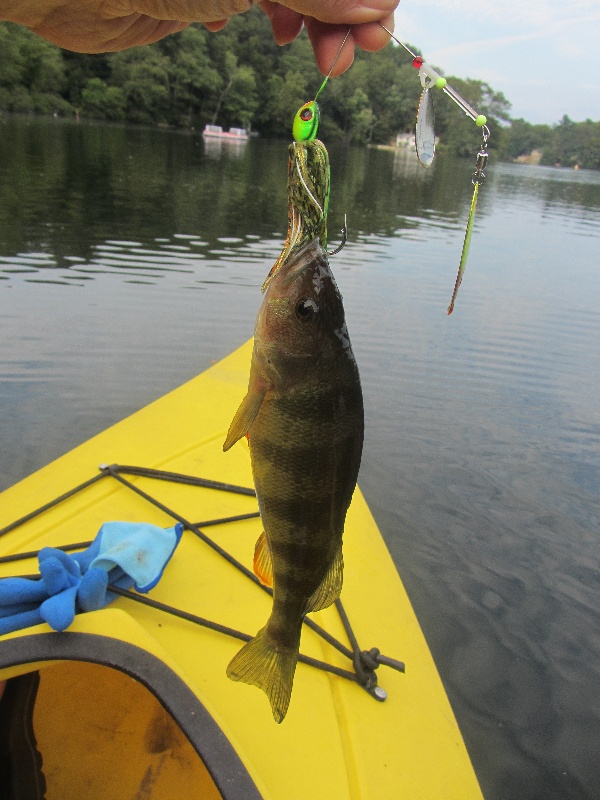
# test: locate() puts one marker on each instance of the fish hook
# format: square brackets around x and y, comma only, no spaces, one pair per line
[344,232]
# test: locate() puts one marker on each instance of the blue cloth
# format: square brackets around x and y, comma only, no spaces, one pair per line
[124,554]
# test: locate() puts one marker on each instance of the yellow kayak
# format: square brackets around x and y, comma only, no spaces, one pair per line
[132,701]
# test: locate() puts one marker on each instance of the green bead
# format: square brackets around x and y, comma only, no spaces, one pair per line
[441,82]
[481,120]
[306,122]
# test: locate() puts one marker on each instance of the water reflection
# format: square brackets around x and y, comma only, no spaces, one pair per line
[568,197]
[176,188]
[129,259]
[216,148]
[180,186]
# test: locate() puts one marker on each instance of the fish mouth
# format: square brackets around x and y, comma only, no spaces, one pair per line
[302,260]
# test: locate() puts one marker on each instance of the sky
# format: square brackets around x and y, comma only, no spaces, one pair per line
[544,55]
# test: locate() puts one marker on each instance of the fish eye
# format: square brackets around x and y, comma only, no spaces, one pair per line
[306,309]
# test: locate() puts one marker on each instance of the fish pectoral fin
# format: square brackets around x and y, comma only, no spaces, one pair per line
[330,587]
[244,417]
[271,668]
[263,561]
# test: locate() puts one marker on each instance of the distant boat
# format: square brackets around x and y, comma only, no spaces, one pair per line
[217,132]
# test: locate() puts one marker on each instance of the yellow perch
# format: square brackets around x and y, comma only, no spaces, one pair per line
[303,416]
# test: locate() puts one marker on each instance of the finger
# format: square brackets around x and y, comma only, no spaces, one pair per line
[183,10]
[326,41]
[213,27]
[371,36]
[110,36]
[351,12]
[163,29]
[286,24]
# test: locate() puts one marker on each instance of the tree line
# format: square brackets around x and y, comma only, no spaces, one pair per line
[240,77]
[566,144]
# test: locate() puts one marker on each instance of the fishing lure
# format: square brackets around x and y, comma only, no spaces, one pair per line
[425,140]
[477,179]
[308,181]
[425,121]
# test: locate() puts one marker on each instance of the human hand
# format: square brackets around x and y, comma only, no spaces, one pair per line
[102,26]
[97,26]
[327,23]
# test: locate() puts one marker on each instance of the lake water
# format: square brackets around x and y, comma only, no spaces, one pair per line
[130,259]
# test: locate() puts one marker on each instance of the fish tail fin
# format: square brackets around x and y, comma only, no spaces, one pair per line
[261,663]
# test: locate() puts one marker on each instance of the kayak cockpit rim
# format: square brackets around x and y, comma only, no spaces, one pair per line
[206,737]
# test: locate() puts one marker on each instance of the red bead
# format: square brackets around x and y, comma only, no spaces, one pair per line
[417,62]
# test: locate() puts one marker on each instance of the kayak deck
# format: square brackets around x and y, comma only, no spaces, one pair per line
[337,740]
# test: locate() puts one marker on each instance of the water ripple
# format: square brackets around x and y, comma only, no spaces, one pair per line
[482,448]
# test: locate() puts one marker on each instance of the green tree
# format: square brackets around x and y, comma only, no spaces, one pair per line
[193,79]
[286,95]
[240,100]
[229,68]
[44,67]
[143,76]
[458,132]
[392,87]
[347,109]
[360,116]
[79,69]
[574,144]
[32,73]
[101,101]
[522,138]
[592,156]
[12,63]
[293,80]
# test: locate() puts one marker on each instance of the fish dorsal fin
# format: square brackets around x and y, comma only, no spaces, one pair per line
[244,417]
[330,587]
[263,561]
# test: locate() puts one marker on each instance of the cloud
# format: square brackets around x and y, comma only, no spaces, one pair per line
[515,13]
[538,53]
[550,29]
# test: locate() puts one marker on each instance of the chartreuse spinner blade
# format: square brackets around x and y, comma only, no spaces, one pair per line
[477,179]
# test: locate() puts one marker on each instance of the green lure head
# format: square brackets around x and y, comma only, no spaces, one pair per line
[306,122]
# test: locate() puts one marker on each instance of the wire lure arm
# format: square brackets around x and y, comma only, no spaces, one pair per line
[434,78]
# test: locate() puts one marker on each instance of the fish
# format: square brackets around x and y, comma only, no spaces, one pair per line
[304,419]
